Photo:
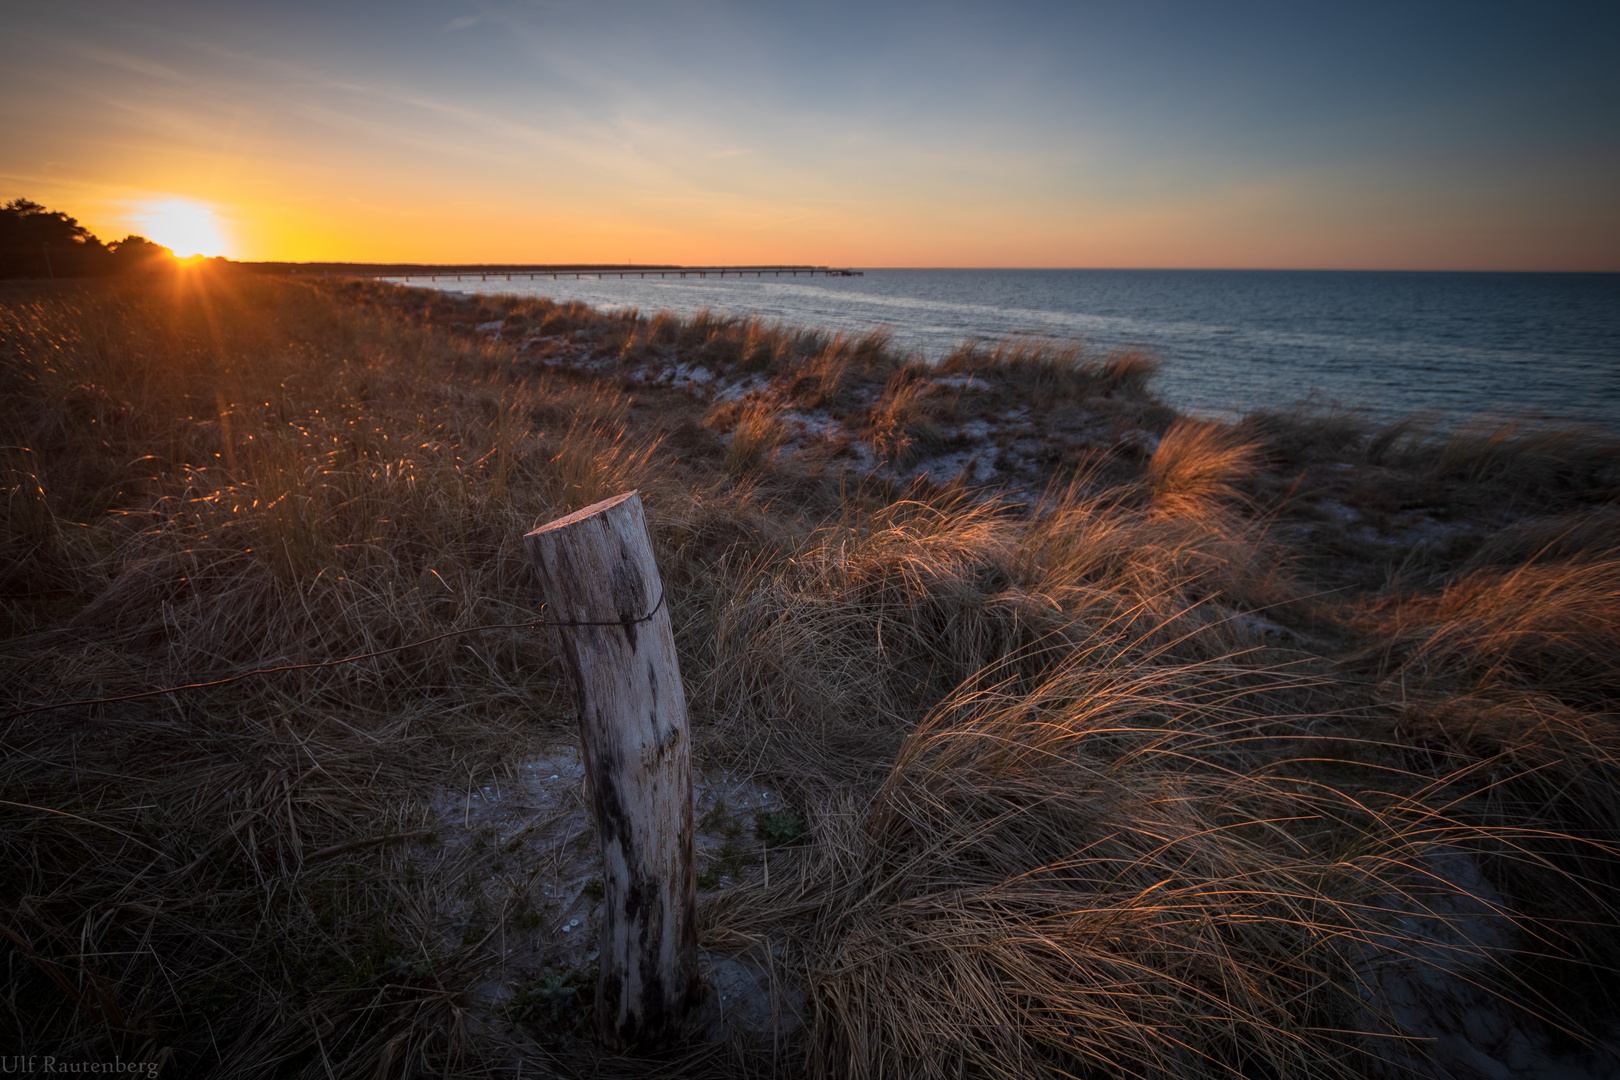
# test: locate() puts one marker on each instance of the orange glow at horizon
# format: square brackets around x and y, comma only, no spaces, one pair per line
[1020,135]
[1237,229]
[185,226]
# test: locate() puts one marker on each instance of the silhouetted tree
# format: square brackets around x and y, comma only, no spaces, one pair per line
[36,242]
[137,253]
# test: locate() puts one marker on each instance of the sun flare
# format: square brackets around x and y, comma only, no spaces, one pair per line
[186,227]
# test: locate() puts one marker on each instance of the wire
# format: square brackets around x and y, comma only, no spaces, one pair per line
[334,663]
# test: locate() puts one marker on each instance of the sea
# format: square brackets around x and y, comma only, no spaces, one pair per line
[1455,347]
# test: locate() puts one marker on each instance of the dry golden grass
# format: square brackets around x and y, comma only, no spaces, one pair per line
[383,476]
[1552,626]
[1590,534]
[1069,813]
[1101,874]
[820,378]
[756,434]
[1525,460]
[1197,463]
[890,422]
[1056,370]
[1305,433]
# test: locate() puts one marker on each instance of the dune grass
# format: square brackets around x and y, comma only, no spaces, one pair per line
[1072,808]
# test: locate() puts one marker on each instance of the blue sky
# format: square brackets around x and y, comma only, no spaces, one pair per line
[1410,136]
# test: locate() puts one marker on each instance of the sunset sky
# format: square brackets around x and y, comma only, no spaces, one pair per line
[1465,136]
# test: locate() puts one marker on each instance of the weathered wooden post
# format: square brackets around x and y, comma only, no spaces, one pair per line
[601,584]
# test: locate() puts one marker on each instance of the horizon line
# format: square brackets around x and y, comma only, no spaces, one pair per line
[450,267]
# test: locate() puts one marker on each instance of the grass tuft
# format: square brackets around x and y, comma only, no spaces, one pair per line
[1198,463]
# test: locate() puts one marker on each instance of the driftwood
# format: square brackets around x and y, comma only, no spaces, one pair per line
[600,582]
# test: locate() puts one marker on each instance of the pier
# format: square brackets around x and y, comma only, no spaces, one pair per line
[409,271]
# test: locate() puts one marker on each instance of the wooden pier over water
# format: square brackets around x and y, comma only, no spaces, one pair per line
[484,272]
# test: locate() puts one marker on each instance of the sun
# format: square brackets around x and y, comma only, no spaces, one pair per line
[185,227]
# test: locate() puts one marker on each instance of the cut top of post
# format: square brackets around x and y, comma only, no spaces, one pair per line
[598,566]
[589,511]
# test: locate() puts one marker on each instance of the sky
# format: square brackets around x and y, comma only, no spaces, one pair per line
[1473,136]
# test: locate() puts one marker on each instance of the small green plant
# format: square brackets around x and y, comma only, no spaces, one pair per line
[715,818]
[470,927]
[525,915]
[729,861]
[781,828]
[554,1001]
[720,818]
[556,995]
[596,889]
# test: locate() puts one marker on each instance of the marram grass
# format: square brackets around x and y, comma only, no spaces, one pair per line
[1158,773]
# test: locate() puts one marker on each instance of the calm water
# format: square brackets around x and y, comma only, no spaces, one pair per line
[1459,344]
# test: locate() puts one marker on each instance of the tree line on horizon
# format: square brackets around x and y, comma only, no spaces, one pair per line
[40,243]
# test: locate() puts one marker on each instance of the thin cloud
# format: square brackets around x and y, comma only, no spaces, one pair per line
[462,22]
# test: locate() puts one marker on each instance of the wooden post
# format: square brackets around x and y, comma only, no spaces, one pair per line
[596,566]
